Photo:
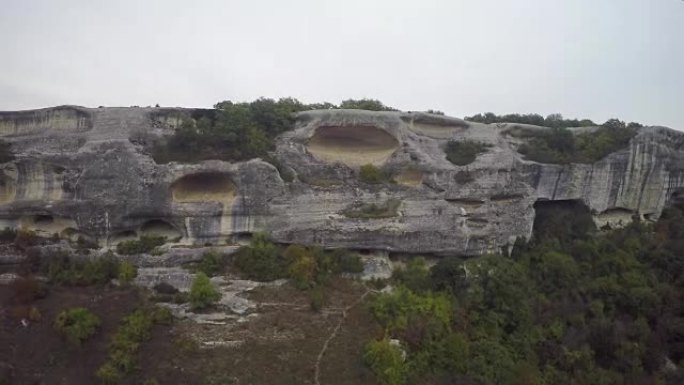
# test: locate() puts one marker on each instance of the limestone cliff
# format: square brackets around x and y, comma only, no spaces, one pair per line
[81,172]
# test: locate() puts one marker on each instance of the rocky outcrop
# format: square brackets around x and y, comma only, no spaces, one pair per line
[82,172]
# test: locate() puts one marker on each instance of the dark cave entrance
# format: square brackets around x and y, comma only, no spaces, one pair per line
[564,220]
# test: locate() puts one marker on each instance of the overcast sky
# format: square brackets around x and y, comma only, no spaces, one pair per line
[582,58]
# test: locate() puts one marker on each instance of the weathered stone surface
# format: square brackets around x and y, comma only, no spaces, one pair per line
[82,173]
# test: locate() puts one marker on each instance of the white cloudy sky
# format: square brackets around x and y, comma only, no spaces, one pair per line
[582,58]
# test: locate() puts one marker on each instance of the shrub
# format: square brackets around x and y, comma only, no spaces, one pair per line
[212,263]
[261,260]
[560,145]
[145,244]
[386,361]
[414,276]
[127,272]
[302,271]
[240,131]
[553,120]
[202,293]
[372,175]
[108,374]
[162,316]
[77,324]
[365,104]
[63,270]
[464,152]
[317,298]
[125,343]
[347,261]
[387,209]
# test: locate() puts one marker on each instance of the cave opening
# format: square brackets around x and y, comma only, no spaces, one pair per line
[564,220]
[204,187]
[352,145]
[121,236]
[160,228]
[39,220]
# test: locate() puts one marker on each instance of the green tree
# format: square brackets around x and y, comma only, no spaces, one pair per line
[370,174]
[202,293]
[386,361]
[76,324]
[261,260]
[127,272]
[365,104]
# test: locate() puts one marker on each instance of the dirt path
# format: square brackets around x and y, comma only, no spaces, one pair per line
[317,371]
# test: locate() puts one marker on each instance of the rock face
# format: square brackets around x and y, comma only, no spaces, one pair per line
[82,172]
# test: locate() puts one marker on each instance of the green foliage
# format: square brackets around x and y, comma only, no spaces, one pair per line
[76,324]
[123,347]
[317,298]
[365,104]
[240,131]
[108,374]
[560,145]
[311,266]
[572,306]
[372,175]
[386,361]
[388,209]
[145,244]
[212,263]
[464,152]
[127,272]
[261,260]
[202,293]
[553,120]
[415,276]
[65,270]
[402,311]
[302,271]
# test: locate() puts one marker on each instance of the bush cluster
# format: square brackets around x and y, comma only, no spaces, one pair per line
[240,131]
[76,324]
[312,266]
[261,260]
[305,266]
[202,293]
[125,343]
[145,244]
[464,152]
[212,263]
[553,120]
[560,145]
[65,270]
[572,306]
[370,174]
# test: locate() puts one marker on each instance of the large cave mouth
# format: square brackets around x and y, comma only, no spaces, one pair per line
[159,227]
[204,187]
[564,220]
[352,145]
